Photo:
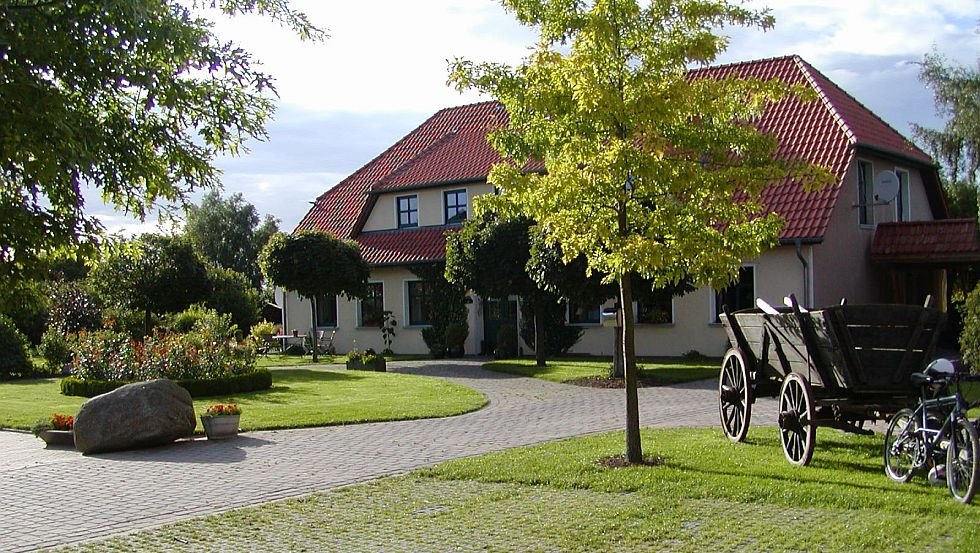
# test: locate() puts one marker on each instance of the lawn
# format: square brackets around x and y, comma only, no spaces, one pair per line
[278,360]
[707,495]
[657,371]
[298,398]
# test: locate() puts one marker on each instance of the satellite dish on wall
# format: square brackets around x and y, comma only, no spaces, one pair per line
[886,186]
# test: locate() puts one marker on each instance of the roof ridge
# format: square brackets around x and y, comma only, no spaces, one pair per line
[807,70]
[410,162]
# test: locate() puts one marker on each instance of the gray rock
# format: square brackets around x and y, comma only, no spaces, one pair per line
[143,414]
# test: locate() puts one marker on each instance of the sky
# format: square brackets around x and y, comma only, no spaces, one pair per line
[382,71]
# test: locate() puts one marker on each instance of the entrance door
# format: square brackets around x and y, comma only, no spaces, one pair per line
[496,313]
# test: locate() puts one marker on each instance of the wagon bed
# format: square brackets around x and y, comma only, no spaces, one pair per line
[836,366]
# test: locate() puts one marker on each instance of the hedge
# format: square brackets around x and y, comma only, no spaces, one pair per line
[259,379]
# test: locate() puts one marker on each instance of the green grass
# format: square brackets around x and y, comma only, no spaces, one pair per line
[298,398]
[278,360]
[707,495]
[656,370]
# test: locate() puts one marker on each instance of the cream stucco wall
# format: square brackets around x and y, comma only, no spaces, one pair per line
[431,204]
[842,261]
[408,339]
[778,273]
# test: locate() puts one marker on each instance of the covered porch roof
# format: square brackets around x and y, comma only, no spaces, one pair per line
[942,242]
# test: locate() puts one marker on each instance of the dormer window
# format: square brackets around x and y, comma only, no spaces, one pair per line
[408,211]
[866,194]
[455,201]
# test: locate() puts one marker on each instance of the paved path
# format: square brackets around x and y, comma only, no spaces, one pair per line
[53,497]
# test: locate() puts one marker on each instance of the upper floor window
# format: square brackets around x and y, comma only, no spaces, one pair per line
[903,211]
[373,305]
[739,295]
[866,193]
[583,314]
[326,311]
[455,201]
[418,303]
[408,211]
[656,310]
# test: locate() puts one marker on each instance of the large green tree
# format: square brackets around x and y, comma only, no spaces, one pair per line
[153,274]
[315,264]
[132,98]
[957,145]
[229,233]
[648,171]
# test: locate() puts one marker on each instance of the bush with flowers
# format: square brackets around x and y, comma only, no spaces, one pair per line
[208,351]
[57,421]
[220,409]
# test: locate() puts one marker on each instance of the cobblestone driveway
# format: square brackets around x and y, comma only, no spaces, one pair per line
[53,497]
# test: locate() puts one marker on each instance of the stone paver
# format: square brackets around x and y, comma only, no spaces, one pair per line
[53,497]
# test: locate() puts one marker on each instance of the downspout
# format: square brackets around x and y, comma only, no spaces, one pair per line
[806,271]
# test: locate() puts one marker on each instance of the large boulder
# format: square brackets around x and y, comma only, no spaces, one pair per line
[143,414]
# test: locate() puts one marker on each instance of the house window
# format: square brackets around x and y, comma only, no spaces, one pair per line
[455,201]
[658,309]
[373,306]
[740,295]
[408,211]
[902,209]
[582,314]
[418,303]
[326,311]
[866,193]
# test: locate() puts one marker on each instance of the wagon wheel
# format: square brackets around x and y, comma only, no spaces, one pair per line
[797,431]
[735,396]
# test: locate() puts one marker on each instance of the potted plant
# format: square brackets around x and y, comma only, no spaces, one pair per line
[58,430]
[367,360]
[221,420]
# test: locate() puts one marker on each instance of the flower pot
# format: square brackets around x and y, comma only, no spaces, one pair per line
[58,437]
[220,427]
[379,364]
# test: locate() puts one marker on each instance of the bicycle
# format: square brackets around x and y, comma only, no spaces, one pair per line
[917,439]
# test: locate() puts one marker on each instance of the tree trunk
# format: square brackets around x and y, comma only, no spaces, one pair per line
[634,450]
[313,336]
[146,323]
[539,337]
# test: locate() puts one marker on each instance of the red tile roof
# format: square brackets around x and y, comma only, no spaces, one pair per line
[948,240]
[404,246]
[451,147]
[339,209]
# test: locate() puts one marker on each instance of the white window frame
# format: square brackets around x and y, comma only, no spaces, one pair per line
[866,196]
[568,316]
[904,195]
[360,321]
[336,306]
[713,307]
[673,313]
[407,311]
[398,219]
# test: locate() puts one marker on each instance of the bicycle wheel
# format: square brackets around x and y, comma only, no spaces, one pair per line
[902,446]
[963,460]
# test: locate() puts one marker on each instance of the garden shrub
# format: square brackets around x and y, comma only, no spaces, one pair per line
[56,349]
[970,336]
[14,355]
[73,308]
[258,379]
[186,319]
[208,351]
[506,342]
[264,328]
[558,336]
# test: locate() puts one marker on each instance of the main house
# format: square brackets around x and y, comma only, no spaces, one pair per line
[838,242]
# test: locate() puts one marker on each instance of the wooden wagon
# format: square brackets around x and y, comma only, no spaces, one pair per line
[838,367]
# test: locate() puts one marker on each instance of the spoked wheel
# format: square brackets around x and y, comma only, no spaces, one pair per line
[734,396]
[903,448]
[963,460]
[796,429]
